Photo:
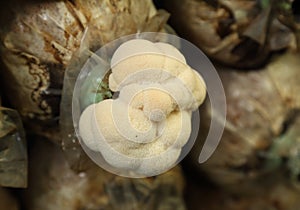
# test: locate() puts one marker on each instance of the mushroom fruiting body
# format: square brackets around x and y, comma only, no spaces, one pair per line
[145,128]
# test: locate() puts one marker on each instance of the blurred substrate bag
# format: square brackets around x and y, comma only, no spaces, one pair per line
[237,33]
[261,142]
[13,152]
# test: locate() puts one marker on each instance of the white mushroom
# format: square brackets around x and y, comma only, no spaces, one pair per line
[145,128]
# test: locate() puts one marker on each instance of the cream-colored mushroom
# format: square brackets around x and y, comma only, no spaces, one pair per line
[145,128]
[142,55]
[141,61]
[121,152]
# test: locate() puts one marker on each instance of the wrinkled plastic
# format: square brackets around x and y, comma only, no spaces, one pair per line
[38,41]
[240,34]
[13,153]
[53,185]
[261,136]
[39,38]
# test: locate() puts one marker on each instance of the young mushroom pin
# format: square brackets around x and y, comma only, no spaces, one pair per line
[145,128]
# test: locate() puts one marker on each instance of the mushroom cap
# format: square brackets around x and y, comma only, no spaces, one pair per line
[139,55]
[100,133]
[141,61]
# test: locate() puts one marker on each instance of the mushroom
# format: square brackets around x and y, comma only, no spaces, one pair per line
[150,121]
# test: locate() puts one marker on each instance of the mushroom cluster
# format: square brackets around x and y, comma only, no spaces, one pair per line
[144,129]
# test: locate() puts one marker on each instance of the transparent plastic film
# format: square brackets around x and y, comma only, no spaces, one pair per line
[105,103]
